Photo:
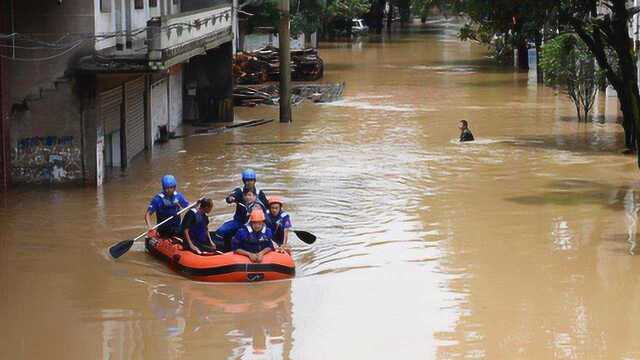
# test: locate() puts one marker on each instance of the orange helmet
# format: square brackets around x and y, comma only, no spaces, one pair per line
[256,215]
[275,199]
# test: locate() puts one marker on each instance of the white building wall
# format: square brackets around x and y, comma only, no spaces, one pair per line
[105,22]
[139,17]
[253,42]
[175,97]
[175,6]
[159,107]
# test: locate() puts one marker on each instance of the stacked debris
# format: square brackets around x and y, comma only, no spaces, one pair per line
[270,94]
[264,65]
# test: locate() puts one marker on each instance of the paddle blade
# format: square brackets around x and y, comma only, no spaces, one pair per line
[120,248]
[307,237]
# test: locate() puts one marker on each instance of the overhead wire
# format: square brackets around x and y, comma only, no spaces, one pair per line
[78,43]
[82,38]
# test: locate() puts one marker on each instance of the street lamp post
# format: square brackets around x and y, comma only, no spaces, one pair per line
[285,63]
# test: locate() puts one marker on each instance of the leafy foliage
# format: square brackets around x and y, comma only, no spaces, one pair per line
[341,12]
[306,15]
[567,62]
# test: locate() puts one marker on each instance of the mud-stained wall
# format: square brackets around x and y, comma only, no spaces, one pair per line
[46,160]
[46,139]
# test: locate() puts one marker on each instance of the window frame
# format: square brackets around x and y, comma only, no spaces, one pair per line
[105,6]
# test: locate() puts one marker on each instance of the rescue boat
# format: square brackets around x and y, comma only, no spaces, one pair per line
[224,267]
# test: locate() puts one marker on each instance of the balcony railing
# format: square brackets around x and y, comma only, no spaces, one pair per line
[176,38]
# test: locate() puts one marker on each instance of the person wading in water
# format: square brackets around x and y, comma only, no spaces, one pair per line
[465,133]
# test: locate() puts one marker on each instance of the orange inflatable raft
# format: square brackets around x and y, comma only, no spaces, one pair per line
[227,267]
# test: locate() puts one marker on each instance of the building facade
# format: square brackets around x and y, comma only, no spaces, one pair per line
[95,83]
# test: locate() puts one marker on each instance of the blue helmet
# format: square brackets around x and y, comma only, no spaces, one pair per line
[248,174]
[168,181]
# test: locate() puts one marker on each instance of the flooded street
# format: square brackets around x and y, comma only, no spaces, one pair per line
[517,246]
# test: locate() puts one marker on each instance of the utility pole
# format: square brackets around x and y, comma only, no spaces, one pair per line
[285,63]
[7,21]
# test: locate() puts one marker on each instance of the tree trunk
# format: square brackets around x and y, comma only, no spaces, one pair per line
[390,17]
[539,72]
[375,18]
[628,85]
[625,78]
[404,8]
[628,122]
[523,56]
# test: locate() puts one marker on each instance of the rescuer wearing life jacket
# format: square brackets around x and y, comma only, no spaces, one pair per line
[253,240]
[237,196]
[195,228]
[165,204]
[279,222]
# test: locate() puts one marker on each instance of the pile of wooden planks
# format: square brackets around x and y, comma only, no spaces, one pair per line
[264,65]
[270,94]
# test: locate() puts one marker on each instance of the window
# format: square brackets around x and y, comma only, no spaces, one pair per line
[138,4]
[153,3]
[105,6]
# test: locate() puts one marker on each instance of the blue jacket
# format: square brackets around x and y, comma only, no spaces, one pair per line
[166,206]
[278,224]
[254,242]
[245,212]
[240,214]
[198,225]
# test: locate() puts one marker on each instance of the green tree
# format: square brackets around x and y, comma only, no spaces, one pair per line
[567,62]
[340,14]
[603,26]
[306,15]
[516,22]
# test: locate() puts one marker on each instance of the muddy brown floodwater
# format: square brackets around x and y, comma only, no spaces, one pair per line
[517,246]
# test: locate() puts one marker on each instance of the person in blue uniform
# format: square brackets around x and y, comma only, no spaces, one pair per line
[279,222]
[195,228]
[237,196]
[254,240]
[165,204]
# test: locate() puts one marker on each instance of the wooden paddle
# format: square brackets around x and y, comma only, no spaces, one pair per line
[122,247]
[305,236]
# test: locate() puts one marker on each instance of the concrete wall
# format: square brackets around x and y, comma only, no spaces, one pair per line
[46,145]
[38,17]
[5,100]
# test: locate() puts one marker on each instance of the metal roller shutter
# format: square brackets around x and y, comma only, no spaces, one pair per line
[111,109]
[134,117]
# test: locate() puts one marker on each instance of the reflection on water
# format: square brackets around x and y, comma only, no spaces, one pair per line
[631,212]
[517,245]
[235,322]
